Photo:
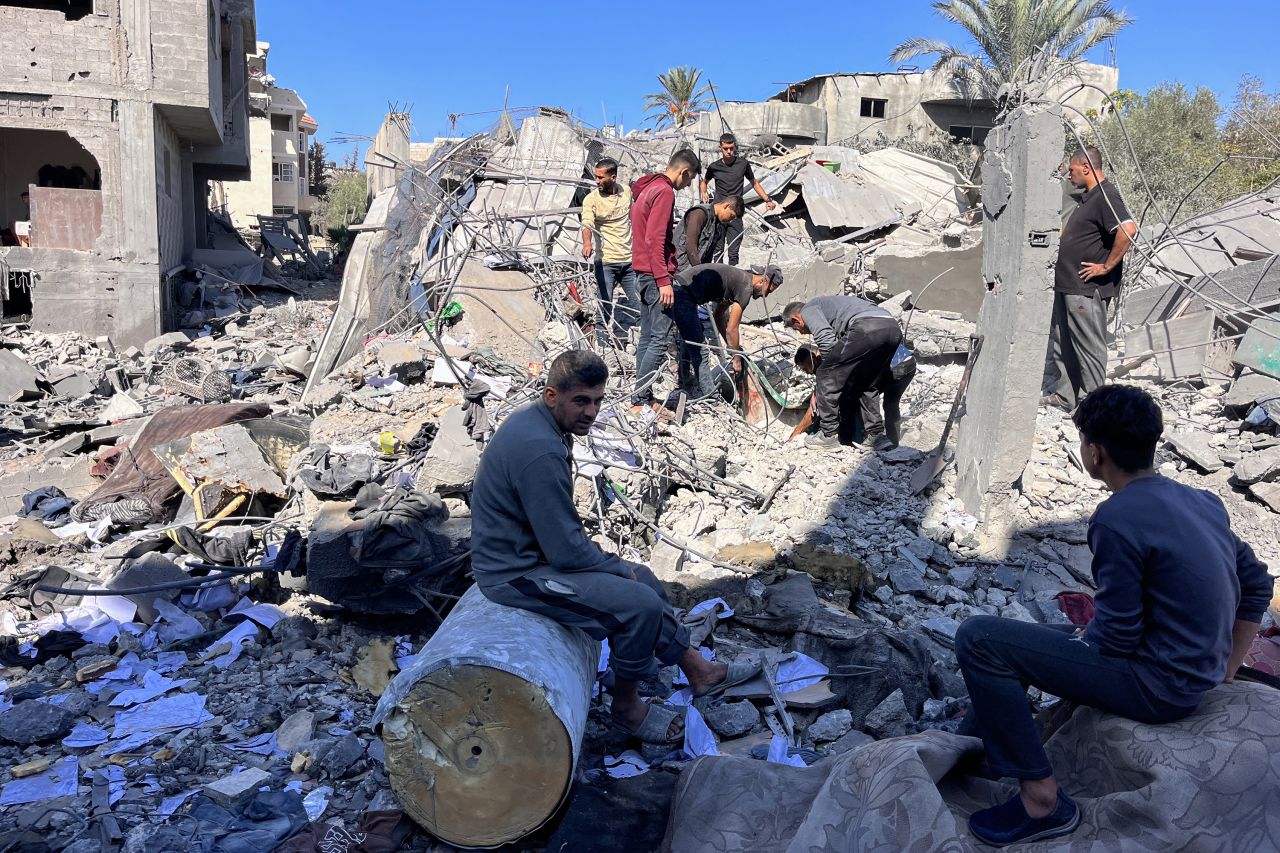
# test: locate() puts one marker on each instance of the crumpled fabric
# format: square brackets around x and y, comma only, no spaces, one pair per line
[50,645]
[474,416]
[377,832]
[328,475]
[1076,606]
[49,504]
[398,531]
[267,819]
[422,439]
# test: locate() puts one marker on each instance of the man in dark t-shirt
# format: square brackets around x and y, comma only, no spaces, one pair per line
[1087,276]
[730,174]
[727,291]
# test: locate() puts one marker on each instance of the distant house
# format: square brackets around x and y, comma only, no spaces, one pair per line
[921,104]
[280,133]
[114,117]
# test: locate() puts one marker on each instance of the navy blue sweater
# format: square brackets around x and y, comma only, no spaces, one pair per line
[1172,580]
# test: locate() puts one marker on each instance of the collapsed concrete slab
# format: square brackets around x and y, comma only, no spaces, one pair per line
[1021,218]
[956,275]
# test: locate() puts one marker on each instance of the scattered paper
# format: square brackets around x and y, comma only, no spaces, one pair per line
[778,753]
[58,781]
[169,805]
[132,743]
[174,623]
[317,801]
[698,739]
[85,735]
[799,672]
[266,615]
[723,610]
[236,637]
[169,713]
[263,744]
[626,765]
[153,684]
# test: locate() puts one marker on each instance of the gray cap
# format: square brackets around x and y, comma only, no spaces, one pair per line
[771,272]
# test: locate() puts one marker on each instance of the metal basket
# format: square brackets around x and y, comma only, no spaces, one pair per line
[192,377]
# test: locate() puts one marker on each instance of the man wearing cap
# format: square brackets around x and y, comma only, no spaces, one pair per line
[728,291]
[857,340]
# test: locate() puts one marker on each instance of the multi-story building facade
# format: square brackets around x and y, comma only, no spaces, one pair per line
[280,133]
[114,117]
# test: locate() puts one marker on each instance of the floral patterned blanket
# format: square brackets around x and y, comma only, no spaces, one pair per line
[1207,783]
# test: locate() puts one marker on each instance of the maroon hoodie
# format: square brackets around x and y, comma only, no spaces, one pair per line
[653,251]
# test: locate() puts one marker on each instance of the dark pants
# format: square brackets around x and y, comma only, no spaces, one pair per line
[617,316]
[1077,358]
[853,366]
[1000,657]
[657,327]
[888,392]
[632,614]
[728,236]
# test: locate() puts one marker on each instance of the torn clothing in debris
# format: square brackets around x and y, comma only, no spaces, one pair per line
[474,416]
[49,504]
[633,615]
[329,475]
[377,832]
[399,531]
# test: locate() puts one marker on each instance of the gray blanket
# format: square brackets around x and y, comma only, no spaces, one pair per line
[1206,783]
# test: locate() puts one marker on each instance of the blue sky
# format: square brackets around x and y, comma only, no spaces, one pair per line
[349,61]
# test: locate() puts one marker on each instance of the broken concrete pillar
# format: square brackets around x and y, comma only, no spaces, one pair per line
[482,731]
[1021,201]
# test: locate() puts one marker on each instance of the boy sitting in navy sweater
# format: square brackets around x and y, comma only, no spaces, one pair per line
[1178,603]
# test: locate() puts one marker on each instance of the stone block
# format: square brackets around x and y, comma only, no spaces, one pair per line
[890,718]
[1258,467]
[832,725]
[295,731]
[732,719]
[232,792]
[1194,447]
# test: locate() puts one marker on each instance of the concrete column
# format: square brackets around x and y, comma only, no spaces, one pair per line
[1021,199]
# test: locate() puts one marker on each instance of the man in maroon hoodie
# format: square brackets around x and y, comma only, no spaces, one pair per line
[653,257]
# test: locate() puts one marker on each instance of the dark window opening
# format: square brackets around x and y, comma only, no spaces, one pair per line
[964,132]
[873,107]
[74,10]
[16,297]
[282,122]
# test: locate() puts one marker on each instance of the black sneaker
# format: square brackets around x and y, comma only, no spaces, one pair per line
[1009,823]
[882,443]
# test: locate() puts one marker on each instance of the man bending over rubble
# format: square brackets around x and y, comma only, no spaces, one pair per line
[857,340]
[529,550]
[1179,601]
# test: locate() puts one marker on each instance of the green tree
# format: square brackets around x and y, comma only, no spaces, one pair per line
[317,170]
[1251,136]
[680,99]
[1008,34]
[1174,134]
[345,204]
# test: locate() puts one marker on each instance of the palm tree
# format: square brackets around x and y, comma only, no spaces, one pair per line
[1010,34]
[680,99]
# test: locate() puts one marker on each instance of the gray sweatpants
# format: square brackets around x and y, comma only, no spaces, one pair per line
[632,614]
[1077,359]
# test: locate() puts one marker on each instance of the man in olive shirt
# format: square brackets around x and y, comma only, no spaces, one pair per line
[730,174]
[1090,256]
[607,211]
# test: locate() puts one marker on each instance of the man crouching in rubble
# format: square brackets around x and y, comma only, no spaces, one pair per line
[1179,601]
[529,550]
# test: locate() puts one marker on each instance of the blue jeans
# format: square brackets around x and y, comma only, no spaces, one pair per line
[617,316]
[1000,657]
[657,325]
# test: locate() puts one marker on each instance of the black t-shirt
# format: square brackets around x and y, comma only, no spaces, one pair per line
[718,283]
[730,178]
[1088,237]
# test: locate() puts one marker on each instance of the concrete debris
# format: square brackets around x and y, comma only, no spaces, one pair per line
[311,536]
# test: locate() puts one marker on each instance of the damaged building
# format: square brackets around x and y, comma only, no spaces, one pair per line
[114,117]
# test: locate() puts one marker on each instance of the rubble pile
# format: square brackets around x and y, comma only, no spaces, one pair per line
[219,548]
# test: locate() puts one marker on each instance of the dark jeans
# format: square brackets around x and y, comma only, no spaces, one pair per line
[617,316]
[888,392]
[1000,657]
[1077,360]
[729,235]
[853,366]
[657,326]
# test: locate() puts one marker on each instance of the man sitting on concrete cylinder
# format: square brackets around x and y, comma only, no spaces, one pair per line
[1178,604]
[529,550]
[857,340]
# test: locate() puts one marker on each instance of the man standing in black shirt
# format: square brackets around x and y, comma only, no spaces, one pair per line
[730,174]
[1087,276]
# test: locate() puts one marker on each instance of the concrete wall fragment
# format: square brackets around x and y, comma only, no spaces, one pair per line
[1021,217]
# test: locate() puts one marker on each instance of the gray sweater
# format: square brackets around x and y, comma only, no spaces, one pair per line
[828,318]
[522,513]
